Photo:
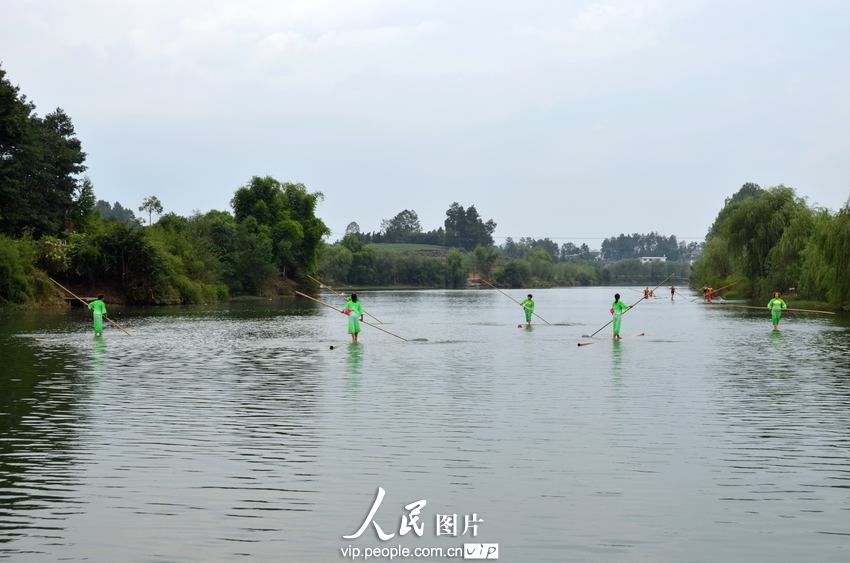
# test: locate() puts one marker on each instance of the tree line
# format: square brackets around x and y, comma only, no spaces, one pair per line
[639,245]
[463,228]
[350,262]
[51,224]
[765,240]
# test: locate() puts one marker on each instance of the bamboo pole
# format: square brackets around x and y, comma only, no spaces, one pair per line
[783,310]
[319,301]
[81,300]
[325,286]
[627,310]
[515,301]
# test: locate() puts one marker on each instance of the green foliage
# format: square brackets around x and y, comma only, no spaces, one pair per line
[335,263]
[288,211]
[349,262]
[401,227]
[52,254]
[756,226]
[15,271]
[82,210]
[784,260]
[179,260]
[352,243]
[836,248]
[627,247]
[517,273]
[485,258]
[254,257]
[115,212]
[455,271]
[40,160]
[747,191]
[817,273]
[715,264]
[567,251]
[768,240]
[152,205]
[576,274]
[465,228]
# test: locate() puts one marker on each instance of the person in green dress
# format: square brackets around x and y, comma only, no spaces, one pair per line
[776,305]
[528,308]
[617,309]
[98,309]
[354,310]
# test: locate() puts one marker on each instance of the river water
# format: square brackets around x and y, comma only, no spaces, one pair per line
[234,432]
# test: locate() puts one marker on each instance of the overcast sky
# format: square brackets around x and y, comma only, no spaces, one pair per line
[562,119]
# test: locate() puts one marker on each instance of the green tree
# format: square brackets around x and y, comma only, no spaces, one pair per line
[465,228]
[402,227]
[152,205]
[289,212]
[115,212]
[254,256]
[517,273]
[15,272]
[817,272]
[40,160]
[836,248]
[755,226]
[748,191]
[455,272]
[484,258]
[82,210]
[335,263]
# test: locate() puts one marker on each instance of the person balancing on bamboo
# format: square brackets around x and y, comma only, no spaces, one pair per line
[98,309]
[776,305]
[528,308]
[354,310]
[617,309]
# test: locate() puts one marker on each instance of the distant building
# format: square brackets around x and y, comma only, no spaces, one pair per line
[648,259]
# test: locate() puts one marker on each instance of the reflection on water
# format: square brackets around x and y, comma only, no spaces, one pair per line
[223,432]
[98,355]
[355,360]
[617,360]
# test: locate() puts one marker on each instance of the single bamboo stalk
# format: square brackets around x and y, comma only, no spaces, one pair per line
[321,284]
[319,301]
[515,301]
[81,300]
[627,310]
[783,310]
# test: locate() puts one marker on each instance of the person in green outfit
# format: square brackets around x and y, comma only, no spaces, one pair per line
[528,307]
[617,309]
[354,310]
[98,309]
[776,305]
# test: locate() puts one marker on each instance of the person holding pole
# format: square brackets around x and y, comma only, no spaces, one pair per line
[617,309]
[354,310]
[776,305]
[528,308]
[98,309]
